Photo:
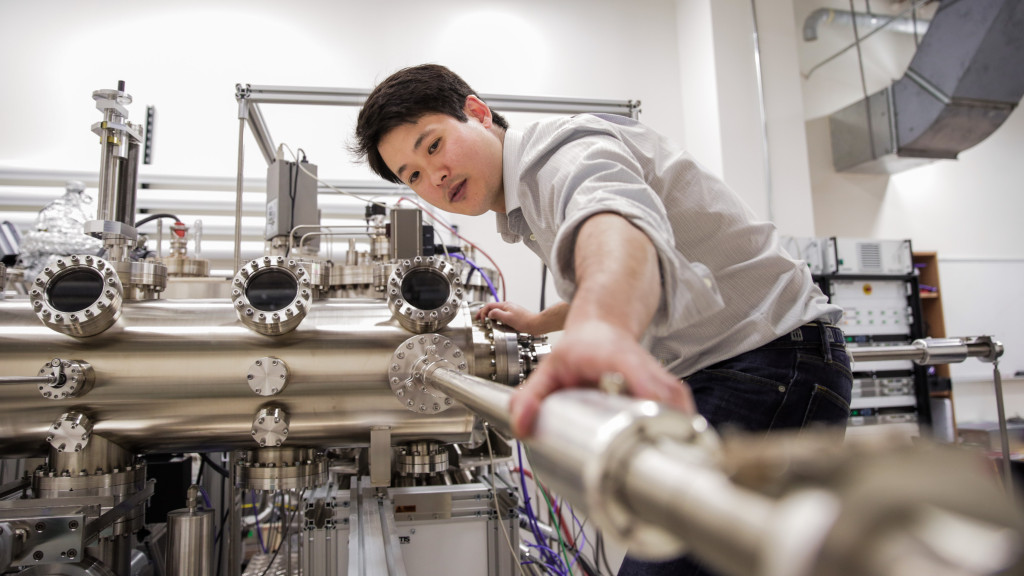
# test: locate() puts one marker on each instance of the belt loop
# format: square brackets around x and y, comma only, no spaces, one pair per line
[826,338]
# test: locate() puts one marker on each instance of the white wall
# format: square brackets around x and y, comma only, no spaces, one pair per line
[723,124]
[185,58]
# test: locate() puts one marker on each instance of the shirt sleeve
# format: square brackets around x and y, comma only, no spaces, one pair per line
[593,172]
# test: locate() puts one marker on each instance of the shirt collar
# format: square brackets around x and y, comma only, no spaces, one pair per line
[511,164]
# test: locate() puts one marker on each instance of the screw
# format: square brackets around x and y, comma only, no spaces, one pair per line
[40,526]
[37,555]
[72,553]
[73,525]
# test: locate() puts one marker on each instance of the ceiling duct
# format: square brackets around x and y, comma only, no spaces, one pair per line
[865,22]
[965,79]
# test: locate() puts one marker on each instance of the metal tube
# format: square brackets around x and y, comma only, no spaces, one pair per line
[260,132]
[488,399]
[28,380]
[1004,437]
[766,158]
[238,192]
[883,26]
[725,523]
[356,97]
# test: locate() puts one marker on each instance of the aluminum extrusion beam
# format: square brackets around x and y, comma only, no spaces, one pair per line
[357,96]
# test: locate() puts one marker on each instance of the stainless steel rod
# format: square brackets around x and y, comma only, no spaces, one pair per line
[487,399]
[1004,437]
[919,351]
[15,380]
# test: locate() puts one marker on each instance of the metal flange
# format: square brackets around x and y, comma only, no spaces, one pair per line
[68,379]
[271,295]
[410,361]
[80,297]
[268,376]
[424,294]
[270,426]
[70,432]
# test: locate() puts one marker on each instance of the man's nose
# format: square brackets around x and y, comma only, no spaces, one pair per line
[439,176]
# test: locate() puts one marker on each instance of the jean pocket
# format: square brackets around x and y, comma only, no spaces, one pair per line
[827,406]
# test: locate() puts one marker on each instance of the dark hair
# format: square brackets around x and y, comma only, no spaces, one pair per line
[404,98]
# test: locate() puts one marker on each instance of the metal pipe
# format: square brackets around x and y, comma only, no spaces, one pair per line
[356,97]
[883,26]
[28,380]
[929,351]
[766,158]
[260,132]
[238,192]
[488,399]
[827,15]
[1004,436]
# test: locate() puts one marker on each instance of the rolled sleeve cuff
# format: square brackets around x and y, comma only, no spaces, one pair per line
[688,289]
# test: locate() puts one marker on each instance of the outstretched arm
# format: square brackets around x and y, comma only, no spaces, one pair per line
[618,291]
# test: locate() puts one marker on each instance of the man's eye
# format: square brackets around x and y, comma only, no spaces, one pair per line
[433,146]
[414,177]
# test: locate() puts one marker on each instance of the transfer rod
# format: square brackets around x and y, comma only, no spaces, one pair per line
[920,350]
[487,399]
[35,380]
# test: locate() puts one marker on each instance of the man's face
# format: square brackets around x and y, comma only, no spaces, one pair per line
[456,166]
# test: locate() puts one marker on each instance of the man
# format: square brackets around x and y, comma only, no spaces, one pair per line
[665,274]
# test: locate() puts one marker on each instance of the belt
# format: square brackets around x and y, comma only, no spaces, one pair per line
[815,332]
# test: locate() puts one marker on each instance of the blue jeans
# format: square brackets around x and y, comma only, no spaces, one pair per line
[798,380]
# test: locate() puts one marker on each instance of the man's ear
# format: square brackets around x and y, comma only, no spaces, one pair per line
[475,108]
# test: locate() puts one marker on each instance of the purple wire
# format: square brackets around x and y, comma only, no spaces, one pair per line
[482,274]
[549,558]
[206,498]
[259,534]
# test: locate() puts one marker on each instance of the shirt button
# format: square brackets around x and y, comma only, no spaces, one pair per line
[533,238]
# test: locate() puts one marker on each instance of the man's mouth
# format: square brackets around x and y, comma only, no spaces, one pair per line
[456,193]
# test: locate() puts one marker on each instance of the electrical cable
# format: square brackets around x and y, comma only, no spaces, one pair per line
[339,191]
[152,217]
[216,467]
[501,276]
[284,534]
[483,274]
[494,488]
[256,518]
[549,558]
[543,284]
[206,497]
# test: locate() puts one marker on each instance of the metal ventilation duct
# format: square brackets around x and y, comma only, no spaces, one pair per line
[964,81]
[865,22]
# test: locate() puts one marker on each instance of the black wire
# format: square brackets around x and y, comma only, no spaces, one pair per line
[543,284]
[152,217]
[284,534]
[604,558]
[216,467]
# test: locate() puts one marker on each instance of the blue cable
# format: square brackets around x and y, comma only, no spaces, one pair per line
[482,274]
